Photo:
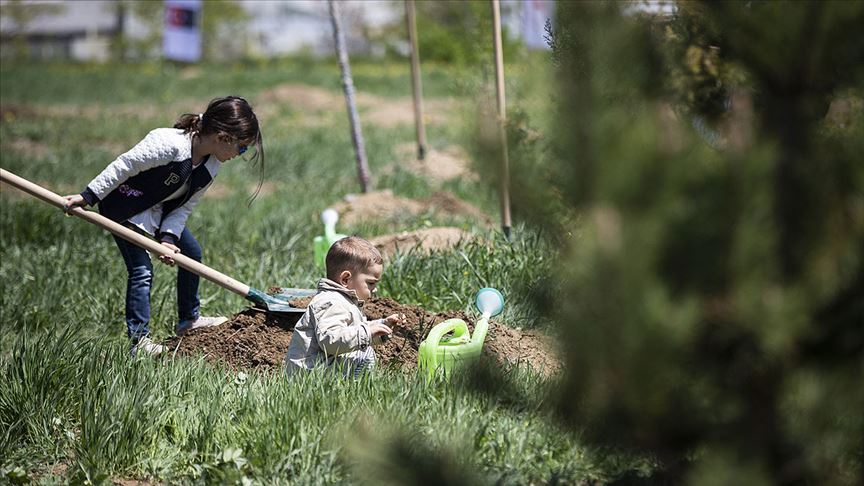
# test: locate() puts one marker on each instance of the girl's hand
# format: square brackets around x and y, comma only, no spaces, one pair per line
[394,319]
[73,201]
[166,259]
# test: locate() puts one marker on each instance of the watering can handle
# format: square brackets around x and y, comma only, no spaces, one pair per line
[459,329]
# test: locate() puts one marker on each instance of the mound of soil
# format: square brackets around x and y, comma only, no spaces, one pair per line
[385,207]
[391,112]
[250,339]
[426,240]
[375,110]
[10,112]
[446,203]
[255,339]
[439,165]
[303,97]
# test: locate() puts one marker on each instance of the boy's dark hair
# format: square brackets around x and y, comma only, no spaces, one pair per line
[351,253]
[233,116]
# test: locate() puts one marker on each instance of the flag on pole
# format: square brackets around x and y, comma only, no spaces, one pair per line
[535,13]
[182,37]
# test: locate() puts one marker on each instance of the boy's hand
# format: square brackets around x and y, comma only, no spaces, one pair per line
[380,333]
[166,259]
[391,320]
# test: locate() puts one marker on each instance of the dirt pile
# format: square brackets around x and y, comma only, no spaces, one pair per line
[439,165]
[391,112]
[427,240]
[377,110]
[255,339]
[250,339]
[303,97]
[385,207]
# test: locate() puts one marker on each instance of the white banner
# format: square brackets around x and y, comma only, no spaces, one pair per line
[182,35]
[535,13]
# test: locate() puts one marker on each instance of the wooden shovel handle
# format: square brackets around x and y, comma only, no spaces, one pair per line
[123,232]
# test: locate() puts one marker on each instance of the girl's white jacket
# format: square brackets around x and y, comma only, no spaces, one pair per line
[161,146]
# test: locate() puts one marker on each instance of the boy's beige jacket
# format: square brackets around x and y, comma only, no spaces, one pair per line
[330,330]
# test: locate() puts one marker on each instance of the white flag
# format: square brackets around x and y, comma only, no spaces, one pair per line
[182,38]
[535,13]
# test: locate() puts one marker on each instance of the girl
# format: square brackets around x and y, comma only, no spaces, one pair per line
[153,188]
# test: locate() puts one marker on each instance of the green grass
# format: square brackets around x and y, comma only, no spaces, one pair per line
[84,402]
[69,393]
[165,83]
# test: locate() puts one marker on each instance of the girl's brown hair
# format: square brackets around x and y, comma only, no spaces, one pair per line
[233,116]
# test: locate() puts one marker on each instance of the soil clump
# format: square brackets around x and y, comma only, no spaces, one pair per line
[385,207]
[438,166]
[254,339]
[377,110]
[426,240]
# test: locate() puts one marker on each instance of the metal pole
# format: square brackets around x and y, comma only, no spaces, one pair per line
[348,86]
[502,119]
[417,88]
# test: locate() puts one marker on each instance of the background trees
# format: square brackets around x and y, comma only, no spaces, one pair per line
[711,301]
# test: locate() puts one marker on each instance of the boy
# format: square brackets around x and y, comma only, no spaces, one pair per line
[334,331]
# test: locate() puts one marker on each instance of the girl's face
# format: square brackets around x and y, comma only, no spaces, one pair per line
[228,147]
[364,283]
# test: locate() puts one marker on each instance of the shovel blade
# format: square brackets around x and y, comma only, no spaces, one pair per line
[279,303]
[289,294]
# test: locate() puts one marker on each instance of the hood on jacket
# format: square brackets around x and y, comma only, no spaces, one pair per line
[327,285]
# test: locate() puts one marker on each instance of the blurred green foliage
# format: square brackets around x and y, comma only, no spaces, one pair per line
[449,31]
[458,32]
[712,296]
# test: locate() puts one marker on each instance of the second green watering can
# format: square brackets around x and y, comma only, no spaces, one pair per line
[321,244]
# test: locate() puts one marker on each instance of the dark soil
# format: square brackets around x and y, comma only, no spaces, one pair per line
[250,339]
[256,339]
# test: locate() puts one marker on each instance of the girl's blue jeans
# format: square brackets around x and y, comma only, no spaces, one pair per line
[140,270]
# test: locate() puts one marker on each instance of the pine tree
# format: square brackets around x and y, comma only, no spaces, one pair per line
[712,301]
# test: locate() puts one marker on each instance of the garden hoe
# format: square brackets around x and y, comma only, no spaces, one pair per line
[278,304]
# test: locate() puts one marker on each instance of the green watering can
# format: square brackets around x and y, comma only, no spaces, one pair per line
[321,244]
[442,351]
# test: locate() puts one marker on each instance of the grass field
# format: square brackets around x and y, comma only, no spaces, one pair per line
[73,406]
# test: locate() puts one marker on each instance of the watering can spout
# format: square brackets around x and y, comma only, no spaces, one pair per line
[481,329]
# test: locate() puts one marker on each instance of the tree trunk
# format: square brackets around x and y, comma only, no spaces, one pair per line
[348,86]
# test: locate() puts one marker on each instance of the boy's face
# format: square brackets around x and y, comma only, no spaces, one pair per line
[365,282]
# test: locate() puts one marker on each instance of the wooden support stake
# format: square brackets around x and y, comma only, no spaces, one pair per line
[417,88]
[502,119]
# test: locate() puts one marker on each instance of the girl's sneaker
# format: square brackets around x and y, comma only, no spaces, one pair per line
[147,347]
[185,326]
